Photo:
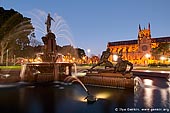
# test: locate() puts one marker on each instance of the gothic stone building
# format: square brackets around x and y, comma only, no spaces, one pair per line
[136,50]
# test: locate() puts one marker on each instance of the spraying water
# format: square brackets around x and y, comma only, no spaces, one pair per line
[90,98]
[76,73]
[138,86]
[59,28]
[77,80]
[23,68]
[138,82]
[75,68]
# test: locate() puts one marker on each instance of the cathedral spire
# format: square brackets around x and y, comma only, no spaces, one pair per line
[139,28]
[149,26]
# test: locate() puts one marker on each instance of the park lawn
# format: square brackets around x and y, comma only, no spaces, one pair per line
[88,67]
[10,67]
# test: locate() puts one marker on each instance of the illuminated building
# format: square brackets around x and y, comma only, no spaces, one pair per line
[138,51]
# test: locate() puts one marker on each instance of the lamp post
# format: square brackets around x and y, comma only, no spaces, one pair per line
[162,58]
[147,56]
[7,57]
[88,51]
[115,57]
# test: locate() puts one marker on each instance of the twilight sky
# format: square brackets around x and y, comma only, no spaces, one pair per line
[94,23]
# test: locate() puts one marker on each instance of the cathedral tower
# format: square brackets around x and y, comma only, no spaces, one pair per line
[144,40]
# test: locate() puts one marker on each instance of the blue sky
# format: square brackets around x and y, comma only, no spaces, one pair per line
[94,23]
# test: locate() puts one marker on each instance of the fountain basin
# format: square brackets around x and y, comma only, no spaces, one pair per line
[6,78]
[9,76]
[108,81]
[161,74]
[45,71]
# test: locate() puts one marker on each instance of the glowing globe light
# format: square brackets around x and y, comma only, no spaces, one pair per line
[162,58]
[115,57]
[147,55]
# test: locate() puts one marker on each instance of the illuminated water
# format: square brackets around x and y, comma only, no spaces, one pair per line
[63,98]
[59,27]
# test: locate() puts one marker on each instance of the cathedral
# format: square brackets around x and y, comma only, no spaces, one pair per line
[138,51]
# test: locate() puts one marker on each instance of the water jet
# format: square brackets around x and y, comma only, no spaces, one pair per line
[89,98]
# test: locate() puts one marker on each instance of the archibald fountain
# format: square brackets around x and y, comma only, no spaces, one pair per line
[31,97]
[48,70]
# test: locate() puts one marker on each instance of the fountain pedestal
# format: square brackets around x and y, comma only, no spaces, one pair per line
[49,48]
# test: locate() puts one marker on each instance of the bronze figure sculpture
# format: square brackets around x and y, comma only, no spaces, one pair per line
[121,65]
[104,59]
[48,22]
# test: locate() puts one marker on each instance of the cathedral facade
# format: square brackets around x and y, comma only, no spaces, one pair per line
[138,51]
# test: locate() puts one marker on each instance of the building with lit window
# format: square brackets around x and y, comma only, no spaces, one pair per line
[138,51]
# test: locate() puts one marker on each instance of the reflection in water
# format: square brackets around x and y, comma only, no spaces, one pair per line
[81,99]
[50,99]
[154,94]
[168,98]
[35,106]
[103,95]
[148,97]
[165,97]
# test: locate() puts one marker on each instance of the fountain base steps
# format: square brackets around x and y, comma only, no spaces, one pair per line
[107,74]
[105,81]
[108,81]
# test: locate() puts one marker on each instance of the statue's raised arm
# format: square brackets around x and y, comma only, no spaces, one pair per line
[48,22]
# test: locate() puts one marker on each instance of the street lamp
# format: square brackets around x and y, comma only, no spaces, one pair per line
[162,58]
[147,55]
[88,55]
[115,57]
[88,51]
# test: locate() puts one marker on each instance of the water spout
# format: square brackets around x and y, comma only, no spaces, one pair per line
[138,82]
[77,80]
[75,68]
[90,98]
[23,68]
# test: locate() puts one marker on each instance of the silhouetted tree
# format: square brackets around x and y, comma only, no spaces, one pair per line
[14,31]
[80,52]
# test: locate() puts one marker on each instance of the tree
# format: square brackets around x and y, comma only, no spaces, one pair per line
[161,49]
[14,31]
[80,52]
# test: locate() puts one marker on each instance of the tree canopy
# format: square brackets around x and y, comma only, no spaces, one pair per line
[14,30]
[161,49]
